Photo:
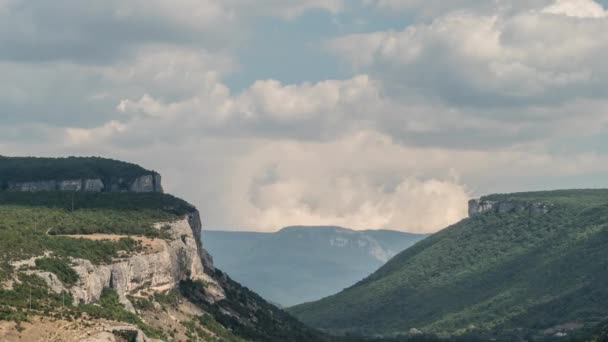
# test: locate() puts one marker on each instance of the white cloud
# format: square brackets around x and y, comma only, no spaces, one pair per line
[477,98]
[433,8]
[327,106]
[292,102]
[81,136]
[550,54]
[576,8]
[361,181]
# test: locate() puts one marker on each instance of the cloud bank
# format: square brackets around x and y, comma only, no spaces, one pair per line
[462,99]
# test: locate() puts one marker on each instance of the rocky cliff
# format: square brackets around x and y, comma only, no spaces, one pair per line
[179,258]
[116,266]
[143,183]
[89,174]
[482,206]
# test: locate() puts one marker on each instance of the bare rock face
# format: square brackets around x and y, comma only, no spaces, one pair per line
[33,186]
[144,183]
[178,260]
[481,206]
[148,183]
[92,185]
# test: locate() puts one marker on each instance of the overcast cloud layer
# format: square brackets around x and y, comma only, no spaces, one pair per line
[453,100]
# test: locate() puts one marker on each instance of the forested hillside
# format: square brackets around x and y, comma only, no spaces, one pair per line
[511,275]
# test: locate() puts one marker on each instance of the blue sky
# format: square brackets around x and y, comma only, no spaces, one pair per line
[269,113]
[293,51]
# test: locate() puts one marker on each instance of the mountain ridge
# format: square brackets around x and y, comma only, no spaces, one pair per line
[315,261]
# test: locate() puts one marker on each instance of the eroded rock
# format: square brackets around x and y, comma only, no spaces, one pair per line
[481,206]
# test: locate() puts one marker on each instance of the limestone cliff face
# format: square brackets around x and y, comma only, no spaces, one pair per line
[481,206]
[179,259]
[143,183]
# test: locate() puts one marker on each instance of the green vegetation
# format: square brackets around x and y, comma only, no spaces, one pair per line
[32,224]
[60,267]
[257,319]
[109,307]
[23,233]
[29,295]
[572,198]
[598,334]
[506,276]
[196,332]
[169,298]
[22,169]
[156,204]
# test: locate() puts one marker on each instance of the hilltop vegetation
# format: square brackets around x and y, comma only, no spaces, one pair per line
[509,275]
[22,169]
[31,223]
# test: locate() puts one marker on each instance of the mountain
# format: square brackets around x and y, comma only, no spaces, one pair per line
[115,263]
[523,266]
[300,264]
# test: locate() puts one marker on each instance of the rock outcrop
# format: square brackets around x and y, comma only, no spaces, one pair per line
[179,259]
[143,183]
[482,206]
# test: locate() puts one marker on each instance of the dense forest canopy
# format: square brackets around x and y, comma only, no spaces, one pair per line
[24,169]
[506,275]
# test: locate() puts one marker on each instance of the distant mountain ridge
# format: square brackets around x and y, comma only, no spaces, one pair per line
[525,266]
[303,263]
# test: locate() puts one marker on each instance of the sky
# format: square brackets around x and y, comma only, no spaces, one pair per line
[359,113]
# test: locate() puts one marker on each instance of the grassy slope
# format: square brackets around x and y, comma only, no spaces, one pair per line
[492,272]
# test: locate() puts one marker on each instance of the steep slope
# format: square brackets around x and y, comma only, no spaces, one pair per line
[522,266]
[300,264]
[105,266]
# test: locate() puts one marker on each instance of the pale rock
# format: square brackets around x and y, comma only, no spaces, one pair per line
[147,183]
[93,185]
[33,186]
[142,184]
[70,185]
[178,260]
[55,285]
[481,206]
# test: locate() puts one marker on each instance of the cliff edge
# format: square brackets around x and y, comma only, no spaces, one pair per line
[76,174]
